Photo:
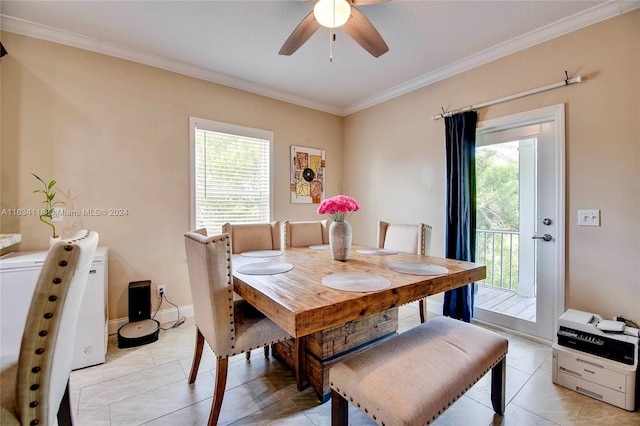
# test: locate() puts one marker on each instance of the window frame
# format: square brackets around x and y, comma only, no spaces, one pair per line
[233,129]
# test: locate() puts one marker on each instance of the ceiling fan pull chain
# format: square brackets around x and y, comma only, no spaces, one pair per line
[332,39]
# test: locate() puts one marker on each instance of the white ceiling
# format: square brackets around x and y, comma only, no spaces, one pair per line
[236,43]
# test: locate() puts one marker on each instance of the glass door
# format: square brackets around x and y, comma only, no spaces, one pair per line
[520,223]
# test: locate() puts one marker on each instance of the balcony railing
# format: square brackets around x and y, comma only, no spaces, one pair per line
[498,250]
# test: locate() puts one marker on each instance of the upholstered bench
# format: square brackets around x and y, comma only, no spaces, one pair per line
[413,377]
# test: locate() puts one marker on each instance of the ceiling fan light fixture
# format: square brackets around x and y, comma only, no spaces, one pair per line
[332,13]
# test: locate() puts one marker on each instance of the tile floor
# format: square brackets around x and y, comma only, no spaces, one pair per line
[147,385]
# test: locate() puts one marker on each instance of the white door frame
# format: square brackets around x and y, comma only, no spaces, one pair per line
[553,114]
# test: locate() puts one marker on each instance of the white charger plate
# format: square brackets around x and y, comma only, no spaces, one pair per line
[320,246]
[375,250]
[265,268]
[418,268]
[262,253]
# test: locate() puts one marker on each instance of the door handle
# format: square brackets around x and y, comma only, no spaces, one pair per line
[545,237]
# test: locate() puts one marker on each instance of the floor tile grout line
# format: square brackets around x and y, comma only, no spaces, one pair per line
[317,414]
[79,412]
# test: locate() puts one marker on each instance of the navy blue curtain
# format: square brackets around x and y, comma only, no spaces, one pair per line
[461,206]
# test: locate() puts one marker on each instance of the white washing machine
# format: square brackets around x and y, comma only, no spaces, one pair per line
[19,273]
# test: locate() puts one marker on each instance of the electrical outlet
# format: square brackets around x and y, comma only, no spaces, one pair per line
[161,290]
[588,217]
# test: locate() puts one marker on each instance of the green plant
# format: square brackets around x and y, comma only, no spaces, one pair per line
[49,203]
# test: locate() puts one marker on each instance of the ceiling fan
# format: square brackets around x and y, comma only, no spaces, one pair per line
[336,13]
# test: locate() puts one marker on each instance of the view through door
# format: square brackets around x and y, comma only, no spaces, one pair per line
[520,221]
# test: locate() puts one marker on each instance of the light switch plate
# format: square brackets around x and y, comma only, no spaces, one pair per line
[58,213]
[588,217]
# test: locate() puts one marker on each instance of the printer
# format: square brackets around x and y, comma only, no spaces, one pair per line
[598,358]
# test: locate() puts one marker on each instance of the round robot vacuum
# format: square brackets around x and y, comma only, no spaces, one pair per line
[138,333]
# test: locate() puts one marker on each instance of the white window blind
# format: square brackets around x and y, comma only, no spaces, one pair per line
[231,175]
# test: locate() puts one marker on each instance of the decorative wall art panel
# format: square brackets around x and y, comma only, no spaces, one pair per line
[307,175]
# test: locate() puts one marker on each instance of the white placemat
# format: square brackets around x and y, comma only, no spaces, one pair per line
[418,268]
[265,268]
[262,253]
[356,282]
[320,246]
[374,250]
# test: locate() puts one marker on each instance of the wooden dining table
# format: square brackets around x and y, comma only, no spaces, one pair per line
[299,302]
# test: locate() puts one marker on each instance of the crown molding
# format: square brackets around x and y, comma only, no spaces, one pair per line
[44,32]
[589,17]
[584,19]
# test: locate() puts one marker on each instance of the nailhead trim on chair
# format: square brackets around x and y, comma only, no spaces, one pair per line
[229,283]
[227,241]
[56,290]
[52,309]
[425,228]
[283,228]
[230,293]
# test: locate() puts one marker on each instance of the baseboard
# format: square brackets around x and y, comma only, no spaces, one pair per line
[168,315]
[513,332]
[436,306]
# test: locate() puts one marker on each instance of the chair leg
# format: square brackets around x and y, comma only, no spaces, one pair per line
[498,380]
[218,393]
[423,309]
[339,410]
[266,353]
[64,411]
[197,355]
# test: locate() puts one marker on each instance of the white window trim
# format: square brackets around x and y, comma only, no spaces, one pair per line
[217,126]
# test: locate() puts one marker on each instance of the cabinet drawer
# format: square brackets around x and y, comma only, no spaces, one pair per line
[593,390]
[591,370]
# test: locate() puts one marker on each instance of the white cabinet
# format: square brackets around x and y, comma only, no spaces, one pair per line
[609,381]
[19,273]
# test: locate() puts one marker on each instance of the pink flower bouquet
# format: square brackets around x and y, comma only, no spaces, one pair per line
[337,207]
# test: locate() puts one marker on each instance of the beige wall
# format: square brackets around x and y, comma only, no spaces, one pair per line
[115,134]
[396,154]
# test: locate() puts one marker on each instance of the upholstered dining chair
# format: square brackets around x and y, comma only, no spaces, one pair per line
[306,233]
[254,236]
[229,326]
[406,238]
[36,388]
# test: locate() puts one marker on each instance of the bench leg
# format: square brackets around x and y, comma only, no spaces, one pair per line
[498,379]
[339,410]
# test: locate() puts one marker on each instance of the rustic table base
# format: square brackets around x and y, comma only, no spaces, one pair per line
[327,347]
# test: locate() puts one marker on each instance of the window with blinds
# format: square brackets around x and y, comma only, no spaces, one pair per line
[231,175]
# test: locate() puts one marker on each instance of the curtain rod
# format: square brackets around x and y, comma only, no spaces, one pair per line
[565,82]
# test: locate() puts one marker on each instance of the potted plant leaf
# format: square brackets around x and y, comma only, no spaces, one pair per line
[46,214]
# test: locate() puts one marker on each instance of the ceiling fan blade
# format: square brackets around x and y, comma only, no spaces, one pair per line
[365,34]
[300,35]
